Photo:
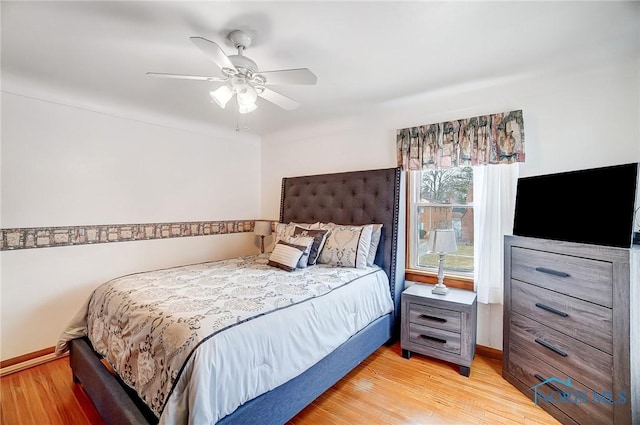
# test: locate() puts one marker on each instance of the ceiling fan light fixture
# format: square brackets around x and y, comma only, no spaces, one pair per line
[240,77]
[245,109]
[247,95]
[222,95]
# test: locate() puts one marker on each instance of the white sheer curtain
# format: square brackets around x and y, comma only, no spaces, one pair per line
[493,209]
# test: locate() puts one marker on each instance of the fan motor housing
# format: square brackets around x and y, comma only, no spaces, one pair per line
[243,62]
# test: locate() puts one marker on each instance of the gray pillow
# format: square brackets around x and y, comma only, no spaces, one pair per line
[319,237]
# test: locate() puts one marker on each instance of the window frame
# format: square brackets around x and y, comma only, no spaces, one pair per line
[421,273]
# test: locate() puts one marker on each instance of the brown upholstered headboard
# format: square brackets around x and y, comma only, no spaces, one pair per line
[356,197]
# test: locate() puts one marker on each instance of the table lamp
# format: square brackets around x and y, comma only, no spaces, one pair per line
[441,242]
[262,229]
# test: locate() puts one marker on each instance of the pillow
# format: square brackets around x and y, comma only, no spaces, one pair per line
[376,233]
[285,256]
[286,229]
[304,241]
[347,246]
[319,237]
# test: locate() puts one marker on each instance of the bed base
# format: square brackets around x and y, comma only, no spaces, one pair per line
[113,399]
[117,404]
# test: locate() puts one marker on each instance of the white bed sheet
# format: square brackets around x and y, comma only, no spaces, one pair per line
[250,359]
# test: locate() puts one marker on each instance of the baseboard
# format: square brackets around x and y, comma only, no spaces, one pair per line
[43,356]
[492,353]
[26,361]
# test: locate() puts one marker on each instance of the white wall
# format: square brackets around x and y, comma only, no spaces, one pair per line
[65,166]
[573,118]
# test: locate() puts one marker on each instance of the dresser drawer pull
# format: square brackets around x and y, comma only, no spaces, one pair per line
[552,310]
[549,384]
[553,272]
[434,318]
[551,347]
[433,338]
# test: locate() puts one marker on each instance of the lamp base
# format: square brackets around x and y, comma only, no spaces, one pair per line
[440,290]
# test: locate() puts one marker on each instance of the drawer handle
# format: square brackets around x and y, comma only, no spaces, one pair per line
[433,338]
[549,384]
[551,347]
[553,272]
[552,310]
[434,318]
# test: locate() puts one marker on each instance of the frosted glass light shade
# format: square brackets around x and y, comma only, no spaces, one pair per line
[247,95]
[442,241]
[245,109]
[222,95]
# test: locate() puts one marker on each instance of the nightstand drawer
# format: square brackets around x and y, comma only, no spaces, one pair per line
[582,320]
[582,405]
[583,278]
[434,338]
[590,365]
[438,318]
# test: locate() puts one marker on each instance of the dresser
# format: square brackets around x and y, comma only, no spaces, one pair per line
[572,328]
[440,326]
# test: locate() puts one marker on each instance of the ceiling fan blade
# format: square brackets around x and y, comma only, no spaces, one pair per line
[279,100]
[185,77]
[289,76]
[214,52]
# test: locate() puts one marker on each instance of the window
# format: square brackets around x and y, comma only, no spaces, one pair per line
[441,199]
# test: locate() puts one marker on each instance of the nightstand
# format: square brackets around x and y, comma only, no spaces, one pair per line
[440,326]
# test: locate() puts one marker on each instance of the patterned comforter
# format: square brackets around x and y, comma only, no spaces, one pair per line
[148,325]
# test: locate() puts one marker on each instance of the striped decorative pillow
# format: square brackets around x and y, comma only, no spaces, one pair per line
[304,241]
[285,256]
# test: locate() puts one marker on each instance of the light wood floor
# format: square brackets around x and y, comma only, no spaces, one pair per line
[384,389]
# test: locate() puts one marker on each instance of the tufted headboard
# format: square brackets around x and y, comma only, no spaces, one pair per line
[356,197]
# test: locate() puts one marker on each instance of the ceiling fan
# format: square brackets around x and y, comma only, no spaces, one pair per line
[241,77]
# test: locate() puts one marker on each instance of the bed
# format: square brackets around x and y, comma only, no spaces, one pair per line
[350,198]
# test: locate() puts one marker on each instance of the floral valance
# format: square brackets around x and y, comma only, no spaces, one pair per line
[487,139]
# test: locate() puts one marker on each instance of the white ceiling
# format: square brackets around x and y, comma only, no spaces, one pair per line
[365,54]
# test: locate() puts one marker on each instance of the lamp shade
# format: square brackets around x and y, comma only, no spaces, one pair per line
[262,228]
[222,95]
[442,241]
[245,109]
[247,95]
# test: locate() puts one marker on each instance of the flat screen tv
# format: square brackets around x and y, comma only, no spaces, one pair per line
[593,206]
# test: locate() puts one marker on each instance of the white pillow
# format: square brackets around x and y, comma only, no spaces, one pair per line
[285,256]
[304,241]
[347,246]
[375,241]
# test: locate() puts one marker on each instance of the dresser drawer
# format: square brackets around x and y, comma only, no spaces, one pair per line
[580,403]
[433,317]
[589,365]
[584,321]
[583,278]
[434,338]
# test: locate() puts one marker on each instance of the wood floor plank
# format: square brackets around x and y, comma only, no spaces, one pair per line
[384,389]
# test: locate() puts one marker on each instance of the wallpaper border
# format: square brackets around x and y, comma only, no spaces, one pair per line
[49,237]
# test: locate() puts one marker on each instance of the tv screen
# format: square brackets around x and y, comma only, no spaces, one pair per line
[594,206]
